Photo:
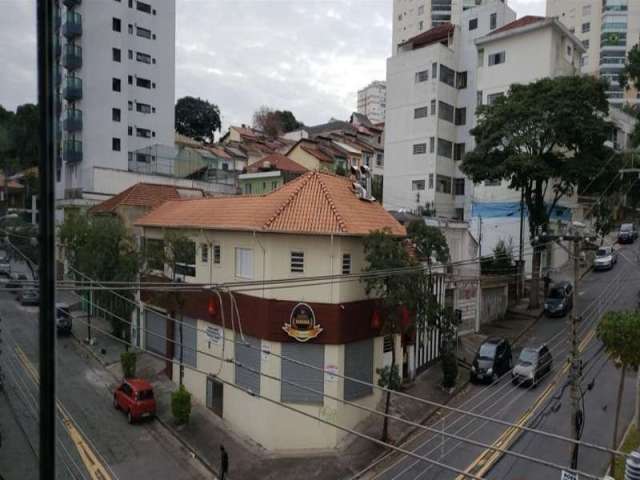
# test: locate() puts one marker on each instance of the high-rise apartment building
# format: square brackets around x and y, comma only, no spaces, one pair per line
[608,29]
[372,101]
[116,84]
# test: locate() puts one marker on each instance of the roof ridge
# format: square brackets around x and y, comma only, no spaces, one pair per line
[332,205]
[290,198]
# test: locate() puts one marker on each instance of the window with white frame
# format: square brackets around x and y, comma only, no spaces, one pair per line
[417,185]
[586,27]
[420,112]
[297,262]
[419,148]
[491,99]
[204,253]
[216,254]
[586,10]
[346,263]
[497,58]
[244,262]
[422,76]
[493,21]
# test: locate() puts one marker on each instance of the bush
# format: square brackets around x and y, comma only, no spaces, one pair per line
[181,405]
[449,369]
[128,361]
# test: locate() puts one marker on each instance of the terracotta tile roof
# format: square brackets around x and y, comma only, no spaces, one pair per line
[278,162]
[314,149]
[521,22]
[142,195]
[314,203]
[436,34]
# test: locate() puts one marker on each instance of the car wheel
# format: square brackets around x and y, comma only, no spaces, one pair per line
[129,417]
[115,403]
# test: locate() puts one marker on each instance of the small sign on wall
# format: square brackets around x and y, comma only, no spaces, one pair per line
[330,372]
[215,335]
[266,350]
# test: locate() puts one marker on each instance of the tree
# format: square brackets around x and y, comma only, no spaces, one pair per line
[543,138]
[275,122]
[19,141]
[394,293]
[631,75]
[604,221]
[197,118]
[500,263]
[620,334]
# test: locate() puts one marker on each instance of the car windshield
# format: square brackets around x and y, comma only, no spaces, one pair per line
[528,356]
[556,293]
[145,395]
[487,351]
[602,252]
[626,227]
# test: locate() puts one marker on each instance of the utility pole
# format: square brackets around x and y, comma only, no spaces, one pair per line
[576,412]
[521,249]
[480,238]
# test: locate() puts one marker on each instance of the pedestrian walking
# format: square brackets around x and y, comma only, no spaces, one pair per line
[224,463]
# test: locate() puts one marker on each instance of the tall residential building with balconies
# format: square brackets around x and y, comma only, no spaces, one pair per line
[116,85]
[608,29]
[372,101]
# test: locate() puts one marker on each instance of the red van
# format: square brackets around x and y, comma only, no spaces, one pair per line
[135,397]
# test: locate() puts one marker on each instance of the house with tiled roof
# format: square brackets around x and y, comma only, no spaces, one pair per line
[311,227]
[270,173]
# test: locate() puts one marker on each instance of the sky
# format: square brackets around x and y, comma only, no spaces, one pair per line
[307,56]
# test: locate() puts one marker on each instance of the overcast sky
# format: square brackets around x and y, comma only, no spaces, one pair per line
[307,56]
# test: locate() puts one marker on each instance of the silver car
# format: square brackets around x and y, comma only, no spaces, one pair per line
[533,364]
[606,258]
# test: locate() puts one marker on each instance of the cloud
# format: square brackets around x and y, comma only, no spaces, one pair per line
[307,56]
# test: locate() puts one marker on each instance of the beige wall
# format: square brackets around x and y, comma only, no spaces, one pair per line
[305,159]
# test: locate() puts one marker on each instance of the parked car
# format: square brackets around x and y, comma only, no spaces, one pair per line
[16,281]
[606,258]
[29,297]
[492,360]
[135,397]
[559,302]
[533,364]
[5,266]
[627,233]
[63,319]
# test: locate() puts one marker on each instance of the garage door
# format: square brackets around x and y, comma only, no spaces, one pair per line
[155,332]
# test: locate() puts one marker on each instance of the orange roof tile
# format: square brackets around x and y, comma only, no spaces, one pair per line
[141,195]
[314,203]
[521,22]
[278,162]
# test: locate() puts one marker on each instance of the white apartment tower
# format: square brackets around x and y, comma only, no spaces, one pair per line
[372,101]
[608,29]
[116,84]
[431,103]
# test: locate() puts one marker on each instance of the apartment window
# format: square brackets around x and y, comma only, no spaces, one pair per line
[459,151]
[130,79]
[297,262]
[143,82]
[420,112]
[473,24]
[204,253]
[143,133]
[143,7]
[244,263]
[585,44]
[216,254]
[447,75]
[493,20]
[586,27]
[130,3]
[458,185]
[569,50]
[115,114]
[116,85]
[445,148]
[417,185]
[432,144]
[479,97]
[497,58]
[346,263]
[461,116]
[445,111]
[115,144]
[434,70]
[481,57]
[443,184]
[143,57]
[116,24]
[144,158]
[143,32]
[419,148]
[586,10]
[491,99]
[459,213]
[130,29]
[433,107]
[461,80]
[130,54]
[130,103]
[130,130]
[422,76]
[143,108]
[116,54]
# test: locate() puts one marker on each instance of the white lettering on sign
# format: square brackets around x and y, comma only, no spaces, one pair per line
[214,335]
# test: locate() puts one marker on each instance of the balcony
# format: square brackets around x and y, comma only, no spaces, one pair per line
[73,25]
[72,3]
[72,58]
[72,121]
[72,90]
[72,151]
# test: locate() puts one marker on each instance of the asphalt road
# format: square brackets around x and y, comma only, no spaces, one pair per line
[87,419]
[545,406]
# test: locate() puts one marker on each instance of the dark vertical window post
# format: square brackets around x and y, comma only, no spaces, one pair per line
[46,165]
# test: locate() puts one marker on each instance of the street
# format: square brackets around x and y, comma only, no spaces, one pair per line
[94,440]
[544,407]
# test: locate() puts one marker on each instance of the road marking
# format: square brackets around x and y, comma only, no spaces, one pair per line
[488,458]
[88,456]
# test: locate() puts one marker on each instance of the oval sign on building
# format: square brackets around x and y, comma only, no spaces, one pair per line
[302,323]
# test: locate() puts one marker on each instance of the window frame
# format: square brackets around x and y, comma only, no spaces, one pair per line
[296,261]
[250,258]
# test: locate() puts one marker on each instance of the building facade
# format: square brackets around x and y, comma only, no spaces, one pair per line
[116,84]
[372,101]
[431,103]
[608,29]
